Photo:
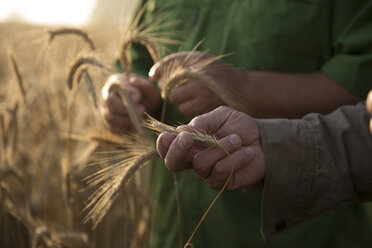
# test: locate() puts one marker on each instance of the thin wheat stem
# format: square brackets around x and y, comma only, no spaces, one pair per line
[188,243]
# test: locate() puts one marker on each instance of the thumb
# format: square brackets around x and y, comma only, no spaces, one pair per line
[155,72]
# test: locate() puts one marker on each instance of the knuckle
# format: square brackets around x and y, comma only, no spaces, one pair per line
[220,169]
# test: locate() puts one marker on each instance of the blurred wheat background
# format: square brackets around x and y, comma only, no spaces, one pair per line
[42,194]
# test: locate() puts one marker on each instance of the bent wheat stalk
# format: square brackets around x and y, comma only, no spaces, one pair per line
[150,34]
[74,31]
[83,60]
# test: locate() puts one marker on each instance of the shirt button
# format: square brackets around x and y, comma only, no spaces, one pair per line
[281,226]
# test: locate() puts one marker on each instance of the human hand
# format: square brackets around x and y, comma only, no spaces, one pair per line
[238,134]
[144,95]
[369,108]
[193,97]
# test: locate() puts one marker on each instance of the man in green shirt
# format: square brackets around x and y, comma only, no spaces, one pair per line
[294,57]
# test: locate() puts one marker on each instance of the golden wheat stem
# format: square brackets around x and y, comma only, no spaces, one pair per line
[18,76]
[213,202]
[88,79]
[74,31]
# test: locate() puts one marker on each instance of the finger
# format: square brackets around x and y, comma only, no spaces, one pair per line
[369,102]
[150,96]
[182,93]
[222,169]
[118,129]
[204,161]
[141,83]
[191,108]
[122,121]
[155,72]
[156,69]
[163,142]
[117,120]
[177,157]
[213,120]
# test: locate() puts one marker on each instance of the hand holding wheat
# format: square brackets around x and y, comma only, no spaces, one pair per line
[196,82]
[237,133]
[143,93]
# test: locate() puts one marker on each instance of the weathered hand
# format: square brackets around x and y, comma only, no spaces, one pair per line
[369,108]
[239,135]
[144,94]
[193,97]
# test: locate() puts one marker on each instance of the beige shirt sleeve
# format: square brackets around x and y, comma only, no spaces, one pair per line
[314,164]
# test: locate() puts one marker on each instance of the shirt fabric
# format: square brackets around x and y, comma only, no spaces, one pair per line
[285,36]
[332,164]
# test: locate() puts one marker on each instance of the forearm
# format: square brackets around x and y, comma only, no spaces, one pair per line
[291,95]
[314,164]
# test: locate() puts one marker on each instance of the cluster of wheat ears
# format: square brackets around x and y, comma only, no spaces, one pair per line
[117,158]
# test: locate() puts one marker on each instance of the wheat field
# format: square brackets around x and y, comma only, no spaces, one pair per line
[46,149]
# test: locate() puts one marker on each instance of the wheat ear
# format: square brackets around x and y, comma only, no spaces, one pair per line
[18,76]
[199,136]
[134,152]
[88,79]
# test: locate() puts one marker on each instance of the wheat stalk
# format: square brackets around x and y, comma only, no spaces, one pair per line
[88,79]
[18,76]
[74,31]
[199,136]
[199,67]
[83,60]
[149,34]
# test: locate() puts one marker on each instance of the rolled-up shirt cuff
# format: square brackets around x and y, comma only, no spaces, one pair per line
[289,174]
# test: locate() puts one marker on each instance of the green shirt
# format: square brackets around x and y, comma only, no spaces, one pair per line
[276,35]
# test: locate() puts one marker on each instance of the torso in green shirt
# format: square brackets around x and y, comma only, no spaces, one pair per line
[276,35]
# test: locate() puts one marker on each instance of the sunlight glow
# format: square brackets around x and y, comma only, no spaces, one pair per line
[71,12]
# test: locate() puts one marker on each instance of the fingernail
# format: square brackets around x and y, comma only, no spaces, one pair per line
[152,71]
[250,152]
[132,79]
[183,141]
[235,140]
